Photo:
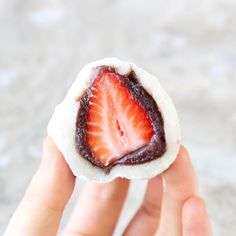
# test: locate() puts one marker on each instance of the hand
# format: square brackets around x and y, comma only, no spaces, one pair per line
[175,211]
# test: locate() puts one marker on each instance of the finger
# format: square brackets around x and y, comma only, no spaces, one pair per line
[98,209]
[40,210]
[195,218]
[181,183]
[146,219]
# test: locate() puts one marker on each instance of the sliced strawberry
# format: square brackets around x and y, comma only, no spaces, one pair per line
[116,123]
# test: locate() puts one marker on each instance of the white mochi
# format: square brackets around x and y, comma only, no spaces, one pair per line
[61,127]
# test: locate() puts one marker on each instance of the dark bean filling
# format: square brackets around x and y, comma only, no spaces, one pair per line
[151,151]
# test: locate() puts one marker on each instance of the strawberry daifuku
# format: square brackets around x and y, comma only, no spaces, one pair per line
[116,121]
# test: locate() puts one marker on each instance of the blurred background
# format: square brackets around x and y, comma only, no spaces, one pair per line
[189,45]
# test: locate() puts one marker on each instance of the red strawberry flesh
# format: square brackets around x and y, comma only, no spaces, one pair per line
[118,121]
[116,124]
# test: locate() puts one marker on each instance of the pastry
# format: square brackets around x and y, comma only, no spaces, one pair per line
[116,121]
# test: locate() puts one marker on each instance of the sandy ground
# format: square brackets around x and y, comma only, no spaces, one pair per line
[189,45]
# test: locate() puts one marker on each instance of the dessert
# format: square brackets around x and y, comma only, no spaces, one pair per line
[116,121]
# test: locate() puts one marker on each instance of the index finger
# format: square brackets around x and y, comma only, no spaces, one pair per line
[180,184]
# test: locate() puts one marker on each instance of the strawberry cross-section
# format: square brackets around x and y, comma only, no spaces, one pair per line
[118,122]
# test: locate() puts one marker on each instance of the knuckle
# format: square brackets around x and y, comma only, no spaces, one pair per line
[151,209]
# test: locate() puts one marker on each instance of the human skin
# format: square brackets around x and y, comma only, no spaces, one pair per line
[175,209]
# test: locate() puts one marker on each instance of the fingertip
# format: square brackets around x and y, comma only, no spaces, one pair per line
[50,150]
[156,181]
[48,140]
[53,172]
[49,145]
[155,186]
[180,177]
[121,180]
[182,156]
[195,217]
[181,165]
[183,152]
[53,158]
[195,201]
[193,205]
[108,191]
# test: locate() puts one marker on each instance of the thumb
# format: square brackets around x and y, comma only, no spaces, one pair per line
[40,211]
